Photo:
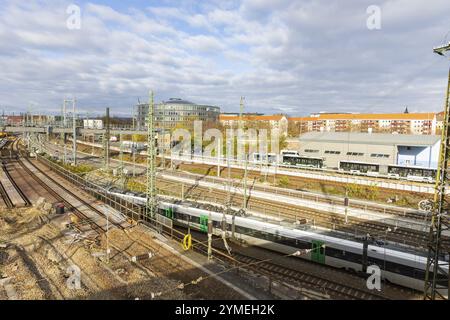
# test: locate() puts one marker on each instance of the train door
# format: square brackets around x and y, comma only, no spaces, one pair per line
[204,223]
[318,251]
[169,213]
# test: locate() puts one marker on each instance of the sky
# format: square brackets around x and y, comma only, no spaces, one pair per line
[292,57]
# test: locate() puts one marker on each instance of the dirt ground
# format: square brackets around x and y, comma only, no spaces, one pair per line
[40,257]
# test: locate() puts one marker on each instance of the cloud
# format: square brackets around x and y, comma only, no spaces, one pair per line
[284,56]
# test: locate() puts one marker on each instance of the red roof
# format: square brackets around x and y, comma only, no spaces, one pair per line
[224,117]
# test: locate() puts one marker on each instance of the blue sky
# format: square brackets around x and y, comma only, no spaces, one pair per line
[293,57]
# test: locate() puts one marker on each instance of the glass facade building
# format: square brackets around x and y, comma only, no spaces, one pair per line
[174,111]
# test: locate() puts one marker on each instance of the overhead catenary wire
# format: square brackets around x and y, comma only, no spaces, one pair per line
[237,265]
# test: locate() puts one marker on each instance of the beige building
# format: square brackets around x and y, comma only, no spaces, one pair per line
[279,122]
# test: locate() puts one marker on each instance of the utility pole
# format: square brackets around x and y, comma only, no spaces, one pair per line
[74,135]
[163,140]
[64,113]
[437,272]
[151,168]
[107,236]
[346,203]
[228,204]
[133,116]
[106,141]
[30,114]
[219,147]
[133,150]
[122,174]
[93,141]
[241,127]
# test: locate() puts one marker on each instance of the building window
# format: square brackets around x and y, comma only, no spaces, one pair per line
[332,152]
[311,151]
[379,155]
[359,154]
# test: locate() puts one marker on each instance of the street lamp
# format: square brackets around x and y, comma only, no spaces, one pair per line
[442,49]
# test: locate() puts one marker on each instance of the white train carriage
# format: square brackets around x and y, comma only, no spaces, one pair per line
[413,173]
[302,161]
[397,267]
[289,153]
[358,167]
[264,158]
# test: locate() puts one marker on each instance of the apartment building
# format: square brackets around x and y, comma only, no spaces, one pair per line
[279,122]
[401,123]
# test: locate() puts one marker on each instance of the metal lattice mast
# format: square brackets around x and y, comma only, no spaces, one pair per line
[106,142]
[163,140]
[151,159]
[74,134]
[64,113]
[122,173]
[241,127]
[436,273]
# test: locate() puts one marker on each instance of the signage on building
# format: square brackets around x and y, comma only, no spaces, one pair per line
[92,124]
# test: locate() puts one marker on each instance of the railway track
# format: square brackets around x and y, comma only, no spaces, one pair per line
[294,277]
[85,220]
[5,200]
[329,220]
[404,213]
[354,226]
[332,173]
[252,174]
[324,283]
[16,186]
[297,278]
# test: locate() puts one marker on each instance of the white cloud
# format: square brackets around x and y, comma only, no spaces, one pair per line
[284,56]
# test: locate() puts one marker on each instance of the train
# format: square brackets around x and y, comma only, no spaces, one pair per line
[410,173]
[270,158]
[292,159]
[397,267]
[131,145]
